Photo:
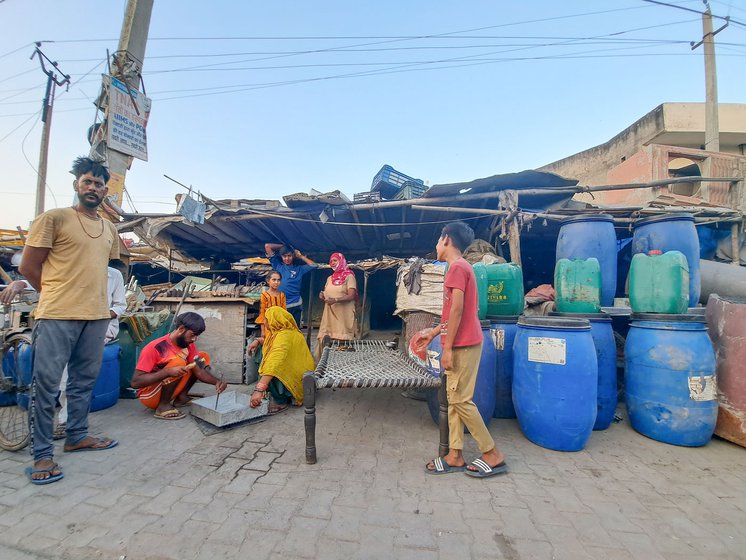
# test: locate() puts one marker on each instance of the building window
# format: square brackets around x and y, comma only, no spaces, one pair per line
[684,167]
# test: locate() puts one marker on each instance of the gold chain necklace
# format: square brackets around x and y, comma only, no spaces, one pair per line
[77,213]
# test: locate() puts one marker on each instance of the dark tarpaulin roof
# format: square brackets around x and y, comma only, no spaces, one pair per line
[522,180]
[232,232]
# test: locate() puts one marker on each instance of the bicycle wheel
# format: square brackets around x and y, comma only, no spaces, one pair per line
[14,433]
[15,381]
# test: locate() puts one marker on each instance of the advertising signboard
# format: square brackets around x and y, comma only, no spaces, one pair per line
[126,130]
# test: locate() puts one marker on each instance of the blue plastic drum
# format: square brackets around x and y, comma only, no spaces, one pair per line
[484,391]
[106,390]
[502,332]
[583,237]
[555,381]
[603,339]
[670,383]
[16,369]
[671,232]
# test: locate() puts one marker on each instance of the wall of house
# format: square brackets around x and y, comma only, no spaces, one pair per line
[651,163]
[669,124]
[591,166]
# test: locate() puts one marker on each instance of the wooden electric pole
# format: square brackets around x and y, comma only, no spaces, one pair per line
[46,118]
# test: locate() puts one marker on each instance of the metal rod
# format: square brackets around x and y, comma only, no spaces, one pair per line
[217,395]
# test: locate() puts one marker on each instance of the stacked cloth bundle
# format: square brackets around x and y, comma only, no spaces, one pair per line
[142,325]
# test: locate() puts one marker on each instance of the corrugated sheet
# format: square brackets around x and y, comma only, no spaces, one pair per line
[321,223]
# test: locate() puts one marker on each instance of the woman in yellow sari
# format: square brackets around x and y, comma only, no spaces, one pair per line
[286,358]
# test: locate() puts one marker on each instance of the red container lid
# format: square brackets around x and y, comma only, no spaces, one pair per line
[655,252]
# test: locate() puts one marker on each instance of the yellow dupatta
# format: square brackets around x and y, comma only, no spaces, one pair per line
[285,353]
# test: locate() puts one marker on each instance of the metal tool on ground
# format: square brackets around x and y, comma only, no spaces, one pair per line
[200,363]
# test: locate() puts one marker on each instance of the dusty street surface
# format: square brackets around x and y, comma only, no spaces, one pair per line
[170,491]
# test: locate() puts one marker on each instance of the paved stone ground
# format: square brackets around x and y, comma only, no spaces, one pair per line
[170,492]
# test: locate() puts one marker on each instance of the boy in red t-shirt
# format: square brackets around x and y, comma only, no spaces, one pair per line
[461,338]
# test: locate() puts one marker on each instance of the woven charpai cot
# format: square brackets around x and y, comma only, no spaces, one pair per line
[369,363]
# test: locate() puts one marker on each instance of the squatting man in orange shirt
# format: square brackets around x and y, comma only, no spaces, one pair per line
[170,365]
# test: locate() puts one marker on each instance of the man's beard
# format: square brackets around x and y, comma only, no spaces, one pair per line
[88,203]
[181,342]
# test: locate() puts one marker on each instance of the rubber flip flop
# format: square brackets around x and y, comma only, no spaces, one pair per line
[112,443]
[172,414]
[60,432]
[484,470]
[441,467]
[49,480]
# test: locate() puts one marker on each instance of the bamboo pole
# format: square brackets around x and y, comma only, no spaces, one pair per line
[362,312]
[514,239]
[735,228]
[560,217]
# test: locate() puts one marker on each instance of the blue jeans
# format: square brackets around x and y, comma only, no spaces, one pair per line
[80,346]
[295,312]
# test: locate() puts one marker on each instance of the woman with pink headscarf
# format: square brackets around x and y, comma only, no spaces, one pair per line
[339,297]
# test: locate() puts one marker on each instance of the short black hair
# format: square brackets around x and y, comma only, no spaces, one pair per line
[286,250]
[191,321]
[460,233]
[83,165]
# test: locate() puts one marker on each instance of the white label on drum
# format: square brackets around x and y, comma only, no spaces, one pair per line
[434,359]
[498,337]
[703,388]
[547,350]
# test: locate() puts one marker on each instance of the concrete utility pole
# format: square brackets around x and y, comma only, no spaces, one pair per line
[712,124]
[127,67]
[46,117]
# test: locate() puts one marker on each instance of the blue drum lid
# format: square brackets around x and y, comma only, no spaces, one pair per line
[589,218]
[669,317]
[593,317]
[555,323]
[492,319]
[663,218]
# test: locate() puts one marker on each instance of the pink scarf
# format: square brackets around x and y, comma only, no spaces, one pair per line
[341,271]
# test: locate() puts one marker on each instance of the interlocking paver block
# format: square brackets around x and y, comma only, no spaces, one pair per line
[318,503]
[623,497]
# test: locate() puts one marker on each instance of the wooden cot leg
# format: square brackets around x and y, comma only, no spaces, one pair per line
[309,419]
[443,417]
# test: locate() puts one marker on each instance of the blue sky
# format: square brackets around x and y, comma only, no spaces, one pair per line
[259,100]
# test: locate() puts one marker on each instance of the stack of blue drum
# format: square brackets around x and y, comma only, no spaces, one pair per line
[585,237]
[670,383]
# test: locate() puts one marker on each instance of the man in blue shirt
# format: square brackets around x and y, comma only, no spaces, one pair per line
[281,256]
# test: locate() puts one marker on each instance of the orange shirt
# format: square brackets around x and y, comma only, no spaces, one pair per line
[267,301]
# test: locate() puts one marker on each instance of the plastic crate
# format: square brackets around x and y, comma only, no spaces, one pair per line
[367,197]
[388,181]
[409,190]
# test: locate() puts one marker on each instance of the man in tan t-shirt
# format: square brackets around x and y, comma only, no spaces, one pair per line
[65,259]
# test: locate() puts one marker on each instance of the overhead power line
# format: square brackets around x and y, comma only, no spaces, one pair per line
[700,12]
[358,37]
